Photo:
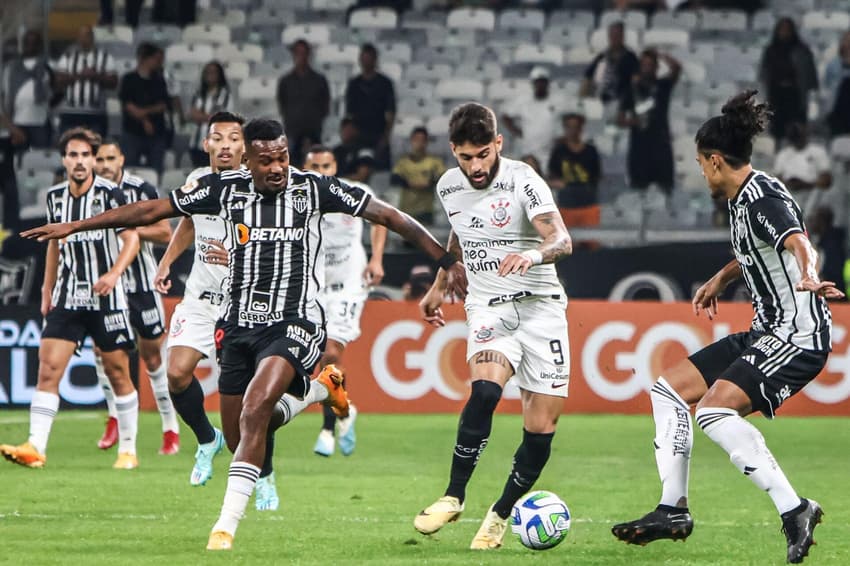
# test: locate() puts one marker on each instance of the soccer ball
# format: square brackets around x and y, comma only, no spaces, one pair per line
[541,520]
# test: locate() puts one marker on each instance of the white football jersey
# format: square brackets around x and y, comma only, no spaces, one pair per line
[493,222]
[206,281]
[342,243]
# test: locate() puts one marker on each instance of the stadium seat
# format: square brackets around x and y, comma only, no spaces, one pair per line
[572,18]
[676,20]
[146,173]
[173,179]
[420,106]
[513,37]
[764,20]
[826,20]
[599,39]
[472,18]
[426,71]
[579,55]
[333,5]
[236,70]
[270,16]
[186,71]
[546,54]
[839,148]
[666,37]
[118,49]
[259,107]
[423,20]
[337,54]
[415,89]
[694,71]
[438,125]
[231,18]
[632,19]
[565,36]
[522,19]
[257,88]
[381,18]
[695,109]
[206,33]
[31,181]
[458,88]
[189,53]
[764,145]
[315,34]
[113,33]
[434,54]
[392,69]
[723,20]
[454,37]
[39,160]
[508,89]
[247,52]
[489,71]
[160,34]
[404,124]
[395,51]
[701,52]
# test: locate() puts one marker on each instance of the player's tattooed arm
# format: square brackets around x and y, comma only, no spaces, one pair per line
[454,246]
[556,245]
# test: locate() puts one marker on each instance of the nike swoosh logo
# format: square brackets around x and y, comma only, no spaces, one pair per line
[453,213]
[557,385]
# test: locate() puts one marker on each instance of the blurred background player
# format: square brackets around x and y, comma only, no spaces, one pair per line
[347,278]
[147,316]
[83,296]
[786,348]
[515,310]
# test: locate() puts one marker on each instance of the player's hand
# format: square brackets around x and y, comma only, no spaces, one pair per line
[456,282]
[46,302]
[56,231]
[374,273]
[513,263]
[217,254]
[429,306]
[706,298]
[825,289]
[161,282]
[105,284]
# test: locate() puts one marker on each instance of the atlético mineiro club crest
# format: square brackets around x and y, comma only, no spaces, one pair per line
[501,216]
[96,206]
[299,199]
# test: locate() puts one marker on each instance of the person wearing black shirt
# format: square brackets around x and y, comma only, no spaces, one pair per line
[644,108]
[574,169]
[370,101]
[610,73]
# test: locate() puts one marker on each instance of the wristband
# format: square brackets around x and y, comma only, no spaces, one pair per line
[534,255]
[447,260]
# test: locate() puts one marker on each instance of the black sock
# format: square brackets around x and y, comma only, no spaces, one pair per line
[330,418]
[268,468]
[190,407]
[473,432]
[529,460]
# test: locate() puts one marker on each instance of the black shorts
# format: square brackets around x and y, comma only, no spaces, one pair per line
[239,351]
[146,314]
[110,330]
[768,369]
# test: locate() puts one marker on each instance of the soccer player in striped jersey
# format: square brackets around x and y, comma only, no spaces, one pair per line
[82,296]
[786,347]
[146,314]
[347,278]
[271,332]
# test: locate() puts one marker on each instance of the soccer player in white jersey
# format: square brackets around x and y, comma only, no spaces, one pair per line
[146,313]
[82,296]
[347,279]
[507,231]
[785,349]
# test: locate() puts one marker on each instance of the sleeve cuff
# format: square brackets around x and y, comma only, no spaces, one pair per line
[780,241]
[363,203]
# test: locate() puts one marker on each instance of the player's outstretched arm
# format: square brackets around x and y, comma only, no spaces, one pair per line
[556,245]
[806,257]
[139,213]
[402,224]
[183,236]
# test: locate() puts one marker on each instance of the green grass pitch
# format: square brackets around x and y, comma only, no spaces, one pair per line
[359,510]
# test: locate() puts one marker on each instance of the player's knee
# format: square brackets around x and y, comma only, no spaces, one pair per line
[179,375]
[152,360]
[485,395]
[255,416]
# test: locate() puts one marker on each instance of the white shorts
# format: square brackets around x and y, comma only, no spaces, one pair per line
[532,334]
[193,326]
[343,304]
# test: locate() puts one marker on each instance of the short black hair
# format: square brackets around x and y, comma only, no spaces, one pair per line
[300,41]
[225,116]
[731,134]
[319,148]
[347,121]
[111,141]
[574,116]
[369,48]
[81,134]
[473,123]
[419,130]
[263,129]
[147,49]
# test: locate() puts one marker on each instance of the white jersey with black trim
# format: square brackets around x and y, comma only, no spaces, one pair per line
[342,242]
[493,222]
[206,280]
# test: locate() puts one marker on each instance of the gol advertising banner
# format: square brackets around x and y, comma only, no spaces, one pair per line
[400,364]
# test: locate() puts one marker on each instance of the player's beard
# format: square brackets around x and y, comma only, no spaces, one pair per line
[491,174]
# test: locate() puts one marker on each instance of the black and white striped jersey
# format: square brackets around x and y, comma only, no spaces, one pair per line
[85,256]
[277,263]
[210,103]
[84,95]
[138,278]
[762,216]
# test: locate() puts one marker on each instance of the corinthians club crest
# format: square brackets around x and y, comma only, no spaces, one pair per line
[501,216]
[298,195]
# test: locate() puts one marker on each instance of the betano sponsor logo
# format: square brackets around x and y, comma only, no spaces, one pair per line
[245,234]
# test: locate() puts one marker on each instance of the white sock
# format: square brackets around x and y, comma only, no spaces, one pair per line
[240,484]
[128,421]
[159,384]
[42,412]
[291,406]
[108,393]
[749,453]
[674,438]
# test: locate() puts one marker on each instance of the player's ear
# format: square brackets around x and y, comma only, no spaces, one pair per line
[453,148]
[499,140]
[204,144]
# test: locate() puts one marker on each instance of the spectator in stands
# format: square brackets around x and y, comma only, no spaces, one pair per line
[213,95]
[179,12]
[27,88]
[804,167]
[304,101]
[132,8]
[418,283]
[532,119]
[144,102]
[370,101]
[610,73]
[837,82]
[85,72]
[363,166]
[788,74]
[532,162]
[8,183]
[349,145]
[831,242]
[574,171]
[417,174]
[645,109]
